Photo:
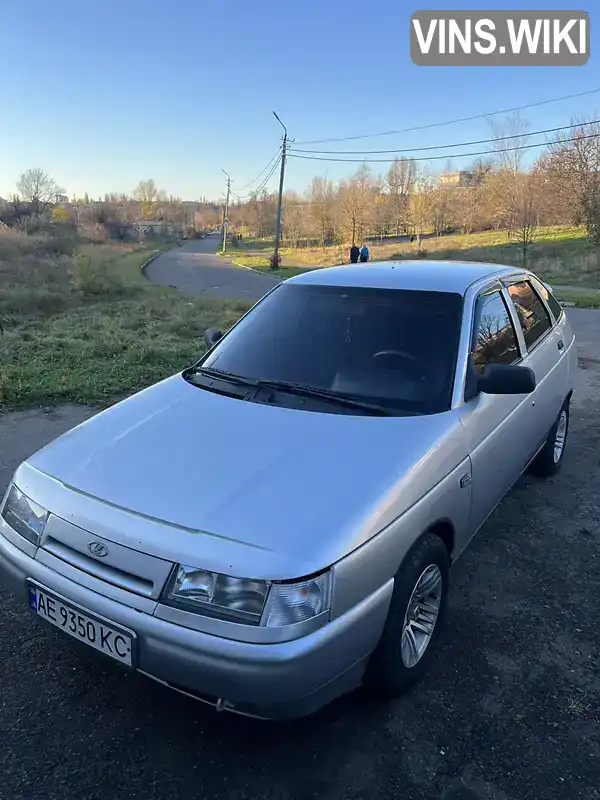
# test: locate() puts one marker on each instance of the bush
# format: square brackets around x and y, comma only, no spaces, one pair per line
[62,241]
[15,243]
[93,276]
[93,233]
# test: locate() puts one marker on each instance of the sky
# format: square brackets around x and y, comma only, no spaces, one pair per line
[102,95]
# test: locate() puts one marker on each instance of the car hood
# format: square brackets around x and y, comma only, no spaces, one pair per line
[297,490]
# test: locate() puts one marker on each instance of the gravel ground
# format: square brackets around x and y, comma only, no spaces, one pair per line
[511,711]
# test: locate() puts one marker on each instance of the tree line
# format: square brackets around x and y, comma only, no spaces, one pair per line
[40,200]
[561,187]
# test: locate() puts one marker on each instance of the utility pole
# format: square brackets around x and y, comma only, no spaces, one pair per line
[225,218]
[275,261]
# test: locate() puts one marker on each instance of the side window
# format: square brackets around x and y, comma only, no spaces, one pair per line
[494,338]
[535,320]
[555,307]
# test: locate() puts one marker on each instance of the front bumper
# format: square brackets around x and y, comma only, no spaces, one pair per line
[274,681]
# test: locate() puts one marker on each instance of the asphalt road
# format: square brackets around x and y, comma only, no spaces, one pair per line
[511,711]
[196,269]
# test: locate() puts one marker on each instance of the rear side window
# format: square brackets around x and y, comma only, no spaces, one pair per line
[551,301]
[494,340]
[535,320]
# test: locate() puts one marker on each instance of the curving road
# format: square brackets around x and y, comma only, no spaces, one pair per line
[196,269]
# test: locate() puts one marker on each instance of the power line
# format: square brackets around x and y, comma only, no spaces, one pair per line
[443,146]
[452,121]
[262,184]
[269,176]
[262,172]
[259,188]
[451,156]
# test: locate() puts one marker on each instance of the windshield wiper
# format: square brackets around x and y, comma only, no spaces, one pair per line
[291,388]
[221,375]
[325,394]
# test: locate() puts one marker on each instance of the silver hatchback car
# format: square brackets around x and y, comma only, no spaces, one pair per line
[274,526]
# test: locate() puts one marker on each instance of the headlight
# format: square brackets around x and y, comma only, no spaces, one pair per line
[24,515]
[217,595]
[249,601]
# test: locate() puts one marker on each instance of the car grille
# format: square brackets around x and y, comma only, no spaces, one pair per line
[120,566]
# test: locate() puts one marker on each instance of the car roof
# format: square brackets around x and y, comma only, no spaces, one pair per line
[433,276]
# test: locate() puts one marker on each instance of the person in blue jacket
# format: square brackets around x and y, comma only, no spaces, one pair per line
[364,253]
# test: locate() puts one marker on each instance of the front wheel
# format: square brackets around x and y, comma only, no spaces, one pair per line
[415,619]
[549,459]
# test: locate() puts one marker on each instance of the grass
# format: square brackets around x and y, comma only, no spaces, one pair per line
[579,298]
[558,255]
[81,324]
[89,328]
[249,257]
[561,255]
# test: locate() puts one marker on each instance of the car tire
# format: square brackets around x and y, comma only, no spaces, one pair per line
[548,461]
[405,652]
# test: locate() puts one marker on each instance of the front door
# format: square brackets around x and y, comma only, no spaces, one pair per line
[496,426]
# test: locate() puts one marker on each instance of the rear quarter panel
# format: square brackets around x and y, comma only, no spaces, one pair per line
[568,336]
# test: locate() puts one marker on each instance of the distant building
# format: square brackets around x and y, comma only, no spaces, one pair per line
[462,179]
[151,227]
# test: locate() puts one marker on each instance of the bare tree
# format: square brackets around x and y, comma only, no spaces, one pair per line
[322,209]
[527,210]
[38,189]
[420,209]
[383,214]
[443,207]
[468,208]
[261,213]
[356,203]
[572,170]
[148,195]
[172,210]
[480,170]
[510,137]
[400,181]
[295,213]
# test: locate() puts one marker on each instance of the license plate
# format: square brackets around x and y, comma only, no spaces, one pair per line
[75,621]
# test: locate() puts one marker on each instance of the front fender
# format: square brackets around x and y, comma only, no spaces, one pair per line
[370,566]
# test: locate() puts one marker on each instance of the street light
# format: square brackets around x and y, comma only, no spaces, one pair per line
[275,262]
[225,218]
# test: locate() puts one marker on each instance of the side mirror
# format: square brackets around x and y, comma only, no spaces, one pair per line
[211,337]
[506,379]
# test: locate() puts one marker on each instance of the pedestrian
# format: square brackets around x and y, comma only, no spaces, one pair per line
[354,254]
[364,254]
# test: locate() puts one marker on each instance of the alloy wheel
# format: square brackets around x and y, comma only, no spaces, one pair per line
[421,616]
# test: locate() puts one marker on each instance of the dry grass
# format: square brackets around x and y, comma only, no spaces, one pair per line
[561,255]
[88,327]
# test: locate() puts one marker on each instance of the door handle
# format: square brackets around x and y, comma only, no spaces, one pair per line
[560,344]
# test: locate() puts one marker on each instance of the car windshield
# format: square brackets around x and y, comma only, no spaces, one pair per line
[395,348]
